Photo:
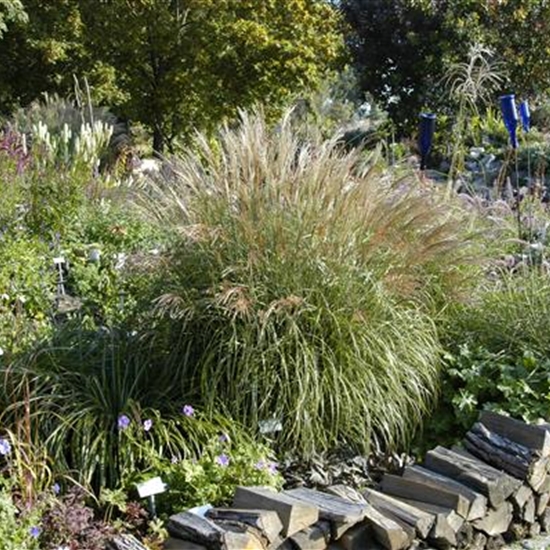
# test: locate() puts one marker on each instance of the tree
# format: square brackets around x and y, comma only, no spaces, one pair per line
[185,64]
[173,65]
[10,11]
[402,48]
[399,47]
[519,32]
[40,53]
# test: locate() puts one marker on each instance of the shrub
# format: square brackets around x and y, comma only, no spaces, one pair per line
[304,285]
[476,379]
[541,114]
[37,228]
[27,285]
[118,286]
[48,176]
[497,353]
[69,520]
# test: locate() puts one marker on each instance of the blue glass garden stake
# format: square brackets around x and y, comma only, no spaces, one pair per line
[525,115]
[510,115]
[427,129]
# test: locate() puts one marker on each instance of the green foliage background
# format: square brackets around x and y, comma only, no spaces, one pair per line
[403,48]
[173,66]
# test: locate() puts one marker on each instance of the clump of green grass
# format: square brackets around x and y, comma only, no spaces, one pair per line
[81,393]
[511,314]
[305,284]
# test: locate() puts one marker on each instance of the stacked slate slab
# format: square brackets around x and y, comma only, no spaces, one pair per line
[492,489]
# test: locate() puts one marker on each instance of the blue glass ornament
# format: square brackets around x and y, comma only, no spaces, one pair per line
[510,116]
[525,115]
[427,129]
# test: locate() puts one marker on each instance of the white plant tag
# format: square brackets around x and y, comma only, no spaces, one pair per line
[151,487]
[270,425]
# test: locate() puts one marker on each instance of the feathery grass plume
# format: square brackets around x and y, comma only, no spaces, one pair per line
[471,85]
[68,118]
[304,285]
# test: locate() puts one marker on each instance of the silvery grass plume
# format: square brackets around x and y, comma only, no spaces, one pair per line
[305,284]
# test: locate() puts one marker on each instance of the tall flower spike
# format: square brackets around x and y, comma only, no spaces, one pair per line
[510,116]
[427,130]
[525,115]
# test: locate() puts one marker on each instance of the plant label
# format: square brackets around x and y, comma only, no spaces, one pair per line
[151,487]
[270,425]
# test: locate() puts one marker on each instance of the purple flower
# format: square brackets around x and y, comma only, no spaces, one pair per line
[147,424]
[56,488]
[223,460]
[224,438]
[260,465]
[188,410]
[35,531]
[5,447]
[272,467]
[123,422]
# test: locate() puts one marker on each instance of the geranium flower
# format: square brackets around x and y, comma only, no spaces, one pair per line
[188,410]
[123,422]
[223,460]
[5,447]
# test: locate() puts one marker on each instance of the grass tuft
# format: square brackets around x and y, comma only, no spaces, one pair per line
[70,394]
[305,284]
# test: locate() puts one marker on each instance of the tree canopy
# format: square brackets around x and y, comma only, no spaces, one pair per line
[10,10]
[40,53]
[402,48]
[173,65]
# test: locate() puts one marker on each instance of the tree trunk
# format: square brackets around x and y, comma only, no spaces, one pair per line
[158,142]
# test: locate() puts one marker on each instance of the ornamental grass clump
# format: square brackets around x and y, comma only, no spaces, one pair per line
[510,315]
[102,407]
[305,285]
